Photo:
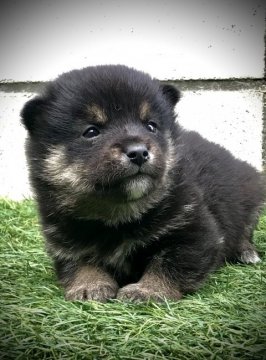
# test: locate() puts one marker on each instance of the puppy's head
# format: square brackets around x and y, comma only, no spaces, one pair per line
[102,140]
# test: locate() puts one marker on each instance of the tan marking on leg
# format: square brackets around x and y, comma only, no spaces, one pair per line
[91,283]
[153,285]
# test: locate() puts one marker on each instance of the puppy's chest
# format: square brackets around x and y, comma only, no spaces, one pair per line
[123,255]
[117,249]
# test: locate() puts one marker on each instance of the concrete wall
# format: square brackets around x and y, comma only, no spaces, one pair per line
[212,49]
[171,39]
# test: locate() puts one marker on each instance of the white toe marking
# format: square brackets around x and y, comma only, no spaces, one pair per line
[250,257]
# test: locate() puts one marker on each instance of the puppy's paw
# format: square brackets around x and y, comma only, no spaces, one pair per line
[249,257]
[91,283]
[94,291]
[134,292]
[139,292]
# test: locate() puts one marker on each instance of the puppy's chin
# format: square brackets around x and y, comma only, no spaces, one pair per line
[137,187]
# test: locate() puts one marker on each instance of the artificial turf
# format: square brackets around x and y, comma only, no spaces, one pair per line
[225,320]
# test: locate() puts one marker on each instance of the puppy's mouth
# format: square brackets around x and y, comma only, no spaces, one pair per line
[130,188]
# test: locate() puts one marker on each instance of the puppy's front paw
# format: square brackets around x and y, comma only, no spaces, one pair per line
[91,283]
[133,292]
[94,291]
[140,292]
[137,293]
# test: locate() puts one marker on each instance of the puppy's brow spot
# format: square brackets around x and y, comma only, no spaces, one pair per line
[97,113]
[144,110]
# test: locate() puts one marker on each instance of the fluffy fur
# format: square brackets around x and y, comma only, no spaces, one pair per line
[133,206]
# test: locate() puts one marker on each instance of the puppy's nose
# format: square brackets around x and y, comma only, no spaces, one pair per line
[137,153]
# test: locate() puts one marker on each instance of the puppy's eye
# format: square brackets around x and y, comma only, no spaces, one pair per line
[151,126]
[91,132]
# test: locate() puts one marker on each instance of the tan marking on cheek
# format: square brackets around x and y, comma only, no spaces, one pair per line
[55,165]
[172,155]
[144,110]
[55,160]
[97,113]
[58,171]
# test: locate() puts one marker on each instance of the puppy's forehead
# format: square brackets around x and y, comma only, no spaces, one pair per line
[97,113]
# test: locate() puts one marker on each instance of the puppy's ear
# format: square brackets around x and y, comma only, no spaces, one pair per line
[171,93]
[32,113]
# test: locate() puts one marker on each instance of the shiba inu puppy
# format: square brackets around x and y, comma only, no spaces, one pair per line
[132,205]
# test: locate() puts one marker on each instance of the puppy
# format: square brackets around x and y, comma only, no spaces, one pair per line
[132,205]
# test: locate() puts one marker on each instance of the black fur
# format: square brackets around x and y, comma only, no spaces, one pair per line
[132,205]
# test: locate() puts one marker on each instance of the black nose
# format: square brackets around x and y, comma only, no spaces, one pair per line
[137,153]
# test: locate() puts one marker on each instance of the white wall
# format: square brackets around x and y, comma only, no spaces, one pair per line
[171,40]
[183,39]
[230,118]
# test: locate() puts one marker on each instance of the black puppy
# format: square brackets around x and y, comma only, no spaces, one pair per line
[132,205]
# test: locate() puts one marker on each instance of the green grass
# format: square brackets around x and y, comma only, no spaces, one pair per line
[226,319]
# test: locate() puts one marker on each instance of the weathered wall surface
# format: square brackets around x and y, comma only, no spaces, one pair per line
[213,50]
